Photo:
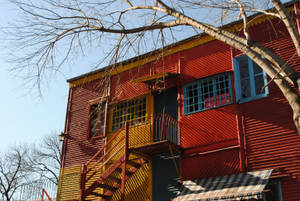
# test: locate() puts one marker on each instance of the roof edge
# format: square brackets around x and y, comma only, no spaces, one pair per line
[168,50]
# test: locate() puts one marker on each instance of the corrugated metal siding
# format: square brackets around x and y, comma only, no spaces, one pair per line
[168,64]
[69,184]
[138,187]
[273,35]
[123,88]
[207,128]
[210,165]
[272,140]
[79,149]
[205,60]
[270,30]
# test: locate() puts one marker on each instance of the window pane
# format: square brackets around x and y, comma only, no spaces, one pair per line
[250,77]
[93,119]
[97,113]
[133,111]
[259,84]
[102,116]
[192,93]
[222,91]
[243,65]
[207,93]
[245,88]
[256,68]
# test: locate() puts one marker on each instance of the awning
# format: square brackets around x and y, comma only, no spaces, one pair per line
[230,187]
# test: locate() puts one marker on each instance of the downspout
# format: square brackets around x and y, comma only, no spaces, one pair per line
[179,100]
[179,95]
[240,124]
[242,141]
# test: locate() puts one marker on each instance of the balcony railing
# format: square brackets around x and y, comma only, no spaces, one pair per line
[160,127]
[165,127]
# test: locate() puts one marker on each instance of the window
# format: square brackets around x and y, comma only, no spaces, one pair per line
[133,111]
[97,119]
[207,93]
[250,80]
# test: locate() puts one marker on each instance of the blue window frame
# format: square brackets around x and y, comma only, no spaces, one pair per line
[250,80]
[207,93]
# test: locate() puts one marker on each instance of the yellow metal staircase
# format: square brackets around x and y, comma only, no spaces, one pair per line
[113,165]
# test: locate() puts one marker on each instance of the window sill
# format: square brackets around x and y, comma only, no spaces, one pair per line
[96,137]
[245,100]
[212,108]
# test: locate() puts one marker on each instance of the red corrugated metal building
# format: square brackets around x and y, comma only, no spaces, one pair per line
[225,123]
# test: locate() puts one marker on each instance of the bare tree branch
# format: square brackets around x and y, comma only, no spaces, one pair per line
[290,25]
[45,159]
[14,171]
[52,31]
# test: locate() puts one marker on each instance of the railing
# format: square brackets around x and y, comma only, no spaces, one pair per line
[44,192]
[113,154]
[33,190]
[165,127]
[157,128]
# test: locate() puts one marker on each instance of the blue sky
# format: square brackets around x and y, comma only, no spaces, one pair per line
[25,117]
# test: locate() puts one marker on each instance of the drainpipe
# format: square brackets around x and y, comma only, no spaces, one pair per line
[240,124]
[179,102]
[242,141]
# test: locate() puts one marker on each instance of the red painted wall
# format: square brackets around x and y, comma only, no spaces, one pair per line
[271,138]
[205,60]
[79,148]
[210,165]
[209,128]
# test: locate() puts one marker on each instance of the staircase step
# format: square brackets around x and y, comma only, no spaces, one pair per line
[107,187]
[104,176]
[99,195]
[134,164]
[128,172]
[115,179]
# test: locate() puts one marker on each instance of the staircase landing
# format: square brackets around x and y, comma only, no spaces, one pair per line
[156,148]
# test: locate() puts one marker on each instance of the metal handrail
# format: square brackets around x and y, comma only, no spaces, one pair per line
[103,148]
[45,192]
[111,153]
[165,127]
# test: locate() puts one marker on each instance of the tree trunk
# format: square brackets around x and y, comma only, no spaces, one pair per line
[7,196]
